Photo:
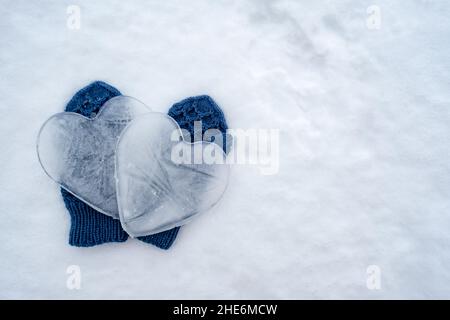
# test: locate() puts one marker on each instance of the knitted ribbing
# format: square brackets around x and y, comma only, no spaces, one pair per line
[90,227]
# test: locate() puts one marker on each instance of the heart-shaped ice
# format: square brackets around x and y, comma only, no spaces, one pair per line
[163,181]
[79,152]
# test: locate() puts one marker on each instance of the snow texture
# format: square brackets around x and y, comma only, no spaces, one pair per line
[163,181]
[364,173]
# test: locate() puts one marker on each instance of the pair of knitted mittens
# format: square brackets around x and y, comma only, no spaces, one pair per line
[90,227]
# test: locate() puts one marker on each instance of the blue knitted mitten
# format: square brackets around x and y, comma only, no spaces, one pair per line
[185,113]
[88,226]
[204,109]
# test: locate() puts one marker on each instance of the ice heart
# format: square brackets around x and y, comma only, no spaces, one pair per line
[157,188]
[79,152]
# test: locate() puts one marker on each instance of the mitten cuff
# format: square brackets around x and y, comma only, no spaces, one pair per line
[162,240]
[90,227]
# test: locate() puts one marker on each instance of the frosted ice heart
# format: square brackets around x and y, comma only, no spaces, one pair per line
[156,191]
[78,152]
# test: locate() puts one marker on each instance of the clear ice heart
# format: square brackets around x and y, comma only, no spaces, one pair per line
[79,152]
[156,191]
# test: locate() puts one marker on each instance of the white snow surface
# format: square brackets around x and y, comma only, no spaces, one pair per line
[364,121]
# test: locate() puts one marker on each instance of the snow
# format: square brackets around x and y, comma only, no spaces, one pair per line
[364,127]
